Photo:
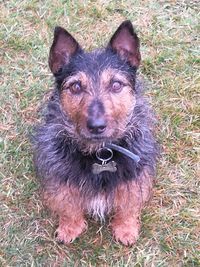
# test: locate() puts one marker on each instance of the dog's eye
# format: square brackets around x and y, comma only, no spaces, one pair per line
[116,86]
[75,88]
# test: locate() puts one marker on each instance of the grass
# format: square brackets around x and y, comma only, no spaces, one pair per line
[169,33]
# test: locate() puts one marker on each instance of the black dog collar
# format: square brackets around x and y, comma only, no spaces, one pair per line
[124,151]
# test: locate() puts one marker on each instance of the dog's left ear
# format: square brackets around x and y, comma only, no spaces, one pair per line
[64,47]
[126,44]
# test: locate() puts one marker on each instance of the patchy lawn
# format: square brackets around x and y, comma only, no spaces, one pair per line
[169,33]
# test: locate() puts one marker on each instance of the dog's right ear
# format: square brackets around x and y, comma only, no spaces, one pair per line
[63,48]
[126,44]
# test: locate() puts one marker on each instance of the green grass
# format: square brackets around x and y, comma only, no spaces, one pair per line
[169,32]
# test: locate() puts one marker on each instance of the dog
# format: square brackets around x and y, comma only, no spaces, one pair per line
[95,151]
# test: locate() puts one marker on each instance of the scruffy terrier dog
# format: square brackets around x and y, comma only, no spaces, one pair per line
[95,151]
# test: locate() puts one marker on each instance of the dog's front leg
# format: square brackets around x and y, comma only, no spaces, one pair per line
[67,204]
[128,203]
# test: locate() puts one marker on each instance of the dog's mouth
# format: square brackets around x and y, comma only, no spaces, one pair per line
[93,141]
[108,135]
[96,138]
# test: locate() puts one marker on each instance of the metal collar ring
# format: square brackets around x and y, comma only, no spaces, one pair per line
[102,150]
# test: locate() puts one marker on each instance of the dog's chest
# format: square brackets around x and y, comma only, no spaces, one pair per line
[99,206]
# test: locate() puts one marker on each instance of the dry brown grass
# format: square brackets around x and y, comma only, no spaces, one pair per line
[170,49]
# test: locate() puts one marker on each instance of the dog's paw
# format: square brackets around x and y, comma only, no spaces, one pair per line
[67,233]
[125,233]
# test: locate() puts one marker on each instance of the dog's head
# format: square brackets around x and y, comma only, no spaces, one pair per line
[97,89]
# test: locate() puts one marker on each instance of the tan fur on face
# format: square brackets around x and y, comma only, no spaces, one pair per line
[117,105]
[76,105]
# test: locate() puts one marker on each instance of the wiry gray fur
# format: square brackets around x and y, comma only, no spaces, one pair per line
[58,152]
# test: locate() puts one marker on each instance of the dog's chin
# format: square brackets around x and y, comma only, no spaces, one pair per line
[96,139]
[91,143]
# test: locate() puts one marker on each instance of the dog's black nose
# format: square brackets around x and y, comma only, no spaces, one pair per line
[96,126]
[96,122]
